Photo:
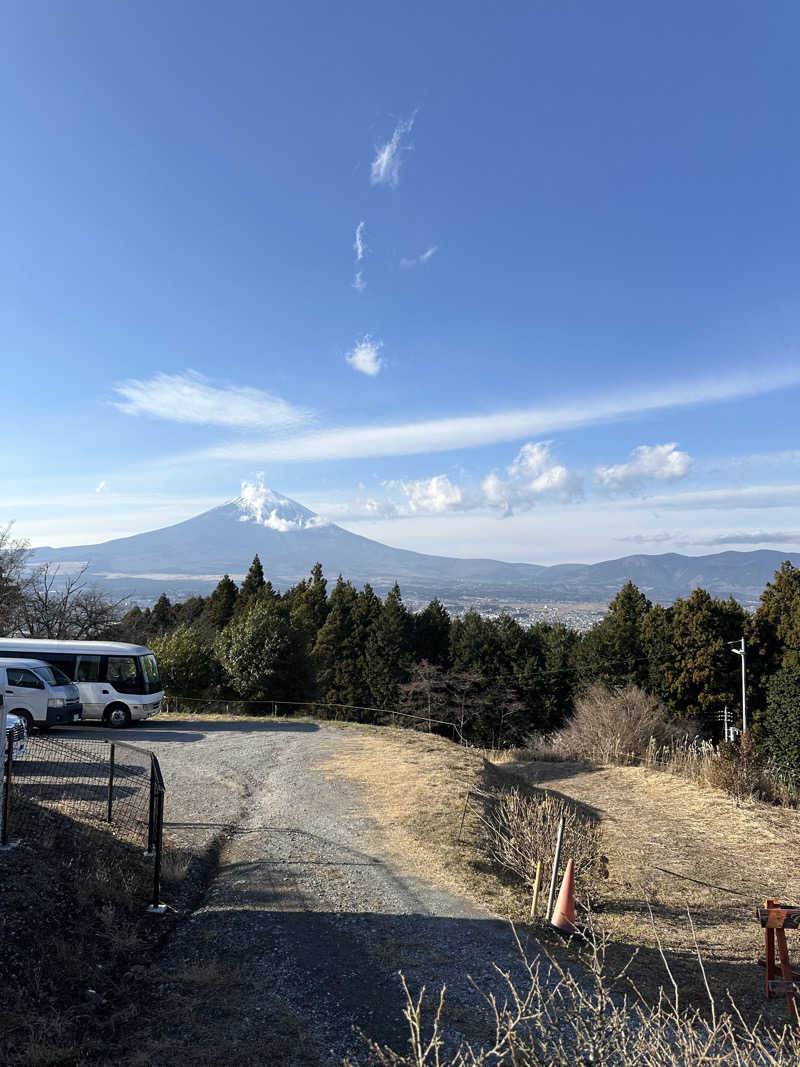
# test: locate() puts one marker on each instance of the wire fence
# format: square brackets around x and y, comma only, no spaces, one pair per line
[108,784]
[313,709]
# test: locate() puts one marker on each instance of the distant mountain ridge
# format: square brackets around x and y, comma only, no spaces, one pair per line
[189,558]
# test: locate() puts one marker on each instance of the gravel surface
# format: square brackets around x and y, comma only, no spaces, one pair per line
[307,920]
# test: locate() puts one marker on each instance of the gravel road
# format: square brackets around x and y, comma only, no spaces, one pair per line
[308,915]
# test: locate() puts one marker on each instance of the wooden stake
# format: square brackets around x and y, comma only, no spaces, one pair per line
[537,881]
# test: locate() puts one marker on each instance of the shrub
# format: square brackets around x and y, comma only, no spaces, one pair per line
[518,830]
[187,665]
[614,726]
[737,768]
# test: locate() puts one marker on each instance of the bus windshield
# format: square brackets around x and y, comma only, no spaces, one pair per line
[150,671]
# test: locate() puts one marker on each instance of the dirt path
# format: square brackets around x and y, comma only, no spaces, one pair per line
[676,845]
[308,918]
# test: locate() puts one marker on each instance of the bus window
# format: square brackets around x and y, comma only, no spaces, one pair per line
[122,674]
[88,669]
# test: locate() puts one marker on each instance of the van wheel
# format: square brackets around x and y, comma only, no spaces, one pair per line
[118,716]
[27,718]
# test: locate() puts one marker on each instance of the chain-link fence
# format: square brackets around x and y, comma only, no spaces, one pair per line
[102,783]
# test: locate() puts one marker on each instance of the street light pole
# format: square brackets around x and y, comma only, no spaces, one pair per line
[741,652]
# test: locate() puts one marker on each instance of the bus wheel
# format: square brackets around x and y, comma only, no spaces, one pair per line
[118,716]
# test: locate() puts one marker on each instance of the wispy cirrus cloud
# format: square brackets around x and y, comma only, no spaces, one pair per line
[416,261]
[192,398]
[385,169]
[469,431]
[358,282]
[365,356]
[752,537]
[360,243]
[663,463]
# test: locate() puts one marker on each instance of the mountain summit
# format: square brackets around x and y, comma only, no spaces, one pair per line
[191,556]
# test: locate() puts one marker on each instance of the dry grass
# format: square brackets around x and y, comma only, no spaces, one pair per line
[671,846]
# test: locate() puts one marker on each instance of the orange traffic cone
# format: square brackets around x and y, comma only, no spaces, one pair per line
[563,917]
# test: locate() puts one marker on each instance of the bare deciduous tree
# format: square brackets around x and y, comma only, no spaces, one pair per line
[63,607]
[13,553]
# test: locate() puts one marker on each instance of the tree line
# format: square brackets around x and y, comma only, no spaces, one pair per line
[495,680]
[491,680]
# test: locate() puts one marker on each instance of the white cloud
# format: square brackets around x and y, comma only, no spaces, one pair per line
[660,462]
[365,356]
[415,261]
[358,282]
[470,431]
[388,157]
[746,497]
[433,495]
[360,244]
[192,398]
[100,487]
[534,475]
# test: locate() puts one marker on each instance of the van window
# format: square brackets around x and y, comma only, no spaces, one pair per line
[122,674]
[23,678]
[53,676]
[88,669]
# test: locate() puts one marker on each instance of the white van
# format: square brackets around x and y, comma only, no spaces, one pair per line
[118,683]
[11,726]
[39,694]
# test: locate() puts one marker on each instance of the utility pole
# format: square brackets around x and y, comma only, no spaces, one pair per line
[741,652]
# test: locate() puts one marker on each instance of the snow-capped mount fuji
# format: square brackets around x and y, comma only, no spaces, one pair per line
[191,556]
[289,538]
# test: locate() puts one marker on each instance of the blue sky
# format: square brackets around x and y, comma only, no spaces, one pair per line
[566,330]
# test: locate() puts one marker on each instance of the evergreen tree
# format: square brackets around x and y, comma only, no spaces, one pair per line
[253,583]
[701,675]
[781,722]
[657,648]
[264,653]
[161,618]
[336,654]
[190,611]
[388,650]
[613,650]
[475,646]
[309,603]
[560,679]
[432,634]
[221,604]
[773,634]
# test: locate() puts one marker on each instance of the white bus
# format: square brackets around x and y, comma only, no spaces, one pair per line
[118,683]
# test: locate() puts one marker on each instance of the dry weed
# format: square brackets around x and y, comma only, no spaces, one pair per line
[561,1016]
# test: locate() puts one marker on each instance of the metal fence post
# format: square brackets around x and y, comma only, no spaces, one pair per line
[110,783]
[156,907]
[5,844]
[151,809]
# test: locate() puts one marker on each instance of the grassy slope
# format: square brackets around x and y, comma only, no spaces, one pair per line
[723,859]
